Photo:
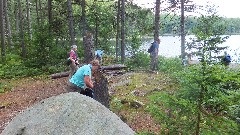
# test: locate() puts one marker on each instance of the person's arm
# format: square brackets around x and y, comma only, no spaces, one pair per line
[88,82]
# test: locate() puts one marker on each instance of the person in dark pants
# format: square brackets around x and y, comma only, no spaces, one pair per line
[154,55]
[81,81]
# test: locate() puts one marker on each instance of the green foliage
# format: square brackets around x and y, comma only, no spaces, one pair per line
[4,87]
[233,26]
[108,59]
[210,87]
[105,14]
[145,133]
[170,24]
[134,44]
[169,65]
[209,92]
[177,111]
[138,19]
[44,56]
[208,34]
[116,105]
[14,68]
[221,86]
[140,60]
[39,53]
[175,115]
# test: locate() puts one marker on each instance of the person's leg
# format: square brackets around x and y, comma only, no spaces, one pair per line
[73,88]
[156,63]
[73,69]
[152,62]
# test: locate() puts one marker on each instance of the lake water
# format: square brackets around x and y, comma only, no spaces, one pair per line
[170,46]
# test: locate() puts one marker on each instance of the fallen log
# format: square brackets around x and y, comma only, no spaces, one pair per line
[102,68]
[60,75]
[113,67]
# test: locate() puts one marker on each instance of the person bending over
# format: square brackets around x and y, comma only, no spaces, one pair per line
[81,81]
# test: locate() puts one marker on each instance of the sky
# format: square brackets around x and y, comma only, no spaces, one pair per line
[225,8]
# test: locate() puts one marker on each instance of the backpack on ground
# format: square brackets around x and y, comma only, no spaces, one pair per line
[151,48]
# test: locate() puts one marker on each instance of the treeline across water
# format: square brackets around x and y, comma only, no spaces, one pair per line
[170,24]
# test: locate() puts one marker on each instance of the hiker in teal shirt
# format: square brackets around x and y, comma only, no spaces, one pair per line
[81,81]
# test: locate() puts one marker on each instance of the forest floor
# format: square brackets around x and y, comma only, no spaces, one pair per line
[129,94]
[23,93]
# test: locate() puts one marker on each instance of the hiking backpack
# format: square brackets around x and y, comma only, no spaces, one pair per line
[151,48]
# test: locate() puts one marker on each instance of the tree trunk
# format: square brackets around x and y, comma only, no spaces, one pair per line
[182,31]
[157,20]
[88,44]
[3,47]
[37,12]
[83,4]
[123,32]
[101,89]
[96,31]
[28,19]
[24,52]
[96,28]
[16,16]
[8,26]
[70,20]
[89,52]
[50,13]
[50,18]
[118,27]
[41,11]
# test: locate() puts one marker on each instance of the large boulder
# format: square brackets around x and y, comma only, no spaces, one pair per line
[67,114]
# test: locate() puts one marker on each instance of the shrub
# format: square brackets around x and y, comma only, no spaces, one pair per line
[140,60]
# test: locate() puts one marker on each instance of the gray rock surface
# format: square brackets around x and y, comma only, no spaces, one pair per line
[67,114]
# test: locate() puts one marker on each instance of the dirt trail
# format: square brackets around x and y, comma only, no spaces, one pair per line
[27,94]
